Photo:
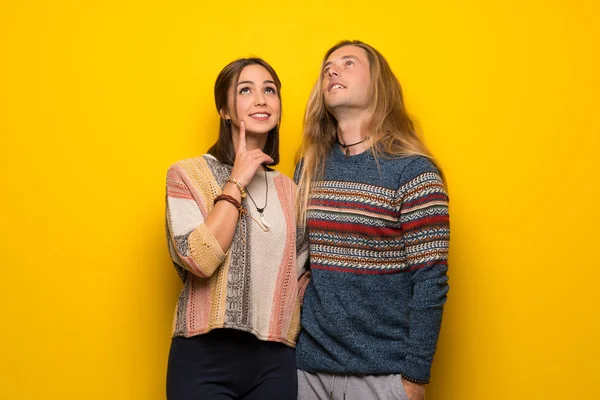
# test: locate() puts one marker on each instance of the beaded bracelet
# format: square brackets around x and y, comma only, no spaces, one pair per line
[417,381]
[238,185]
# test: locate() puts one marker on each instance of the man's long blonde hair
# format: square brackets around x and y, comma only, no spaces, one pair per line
[392,131]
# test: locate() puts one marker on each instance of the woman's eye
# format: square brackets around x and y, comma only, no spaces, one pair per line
[244,90]
[270,90]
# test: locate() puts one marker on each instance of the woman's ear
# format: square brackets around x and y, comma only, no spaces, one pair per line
[224,114]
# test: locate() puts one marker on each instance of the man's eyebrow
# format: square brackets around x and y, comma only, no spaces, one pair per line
[328,63]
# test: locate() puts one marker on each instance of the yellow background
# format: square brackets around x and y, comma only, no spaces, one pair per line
[98,98]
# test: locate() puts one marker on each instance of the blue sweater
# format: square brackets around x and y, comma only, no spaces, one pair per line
[378,241]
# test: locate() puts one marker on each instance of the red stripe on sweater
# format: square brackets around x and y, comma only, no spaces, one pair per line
[433,197]
[354,228]
[426,222]
[357,270]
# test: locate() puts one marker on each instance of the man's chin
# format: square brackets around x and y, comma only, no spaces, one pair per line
[337,103]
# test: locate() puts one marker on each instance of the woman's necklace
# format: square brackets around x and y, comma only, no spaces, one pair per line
[265,225]
[346,147]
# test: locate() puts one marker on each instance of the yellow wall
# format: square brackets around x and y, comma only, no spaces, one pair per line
[98,98]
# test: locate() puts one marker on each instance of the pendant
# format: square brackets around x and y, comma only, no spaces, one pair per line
[265,223]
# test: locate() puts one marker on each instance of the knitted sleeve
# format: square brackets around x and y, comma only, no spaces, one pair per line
[302,261]
[426,234]
[298,171]
[192,246]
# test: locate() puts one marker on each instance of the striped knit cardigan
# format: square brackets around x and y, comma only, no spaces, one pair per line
[254,286]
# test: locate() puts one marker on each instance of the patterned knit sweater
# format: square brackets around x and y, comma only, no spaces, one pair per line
[378,241]
[253,287]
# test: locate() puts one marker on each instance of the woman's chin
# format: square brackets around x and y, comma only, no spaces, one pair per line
[259,130]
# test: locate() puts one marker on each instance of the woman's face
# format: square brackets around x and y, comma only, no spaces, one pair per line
[257,100]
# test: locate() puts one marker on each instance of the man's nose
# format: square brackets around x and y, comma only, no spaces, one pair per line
[333,71]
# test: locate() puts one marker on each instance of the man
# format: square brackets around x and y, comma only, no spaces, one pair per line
[376,211]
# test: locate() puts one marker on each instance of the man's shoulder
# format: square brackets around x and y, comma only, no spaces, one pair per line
[414,161]
[417,164]
[403,169]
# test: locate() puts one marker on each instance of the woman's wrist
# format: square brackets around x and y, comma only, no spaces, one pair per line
[238,185]
[232,190]
[231,200]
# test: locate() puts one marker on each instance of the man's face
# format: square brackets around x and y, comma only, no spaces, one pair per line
[347,78]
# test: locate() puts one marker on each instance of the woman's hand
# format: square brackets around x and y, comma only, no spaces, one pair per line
[247,161]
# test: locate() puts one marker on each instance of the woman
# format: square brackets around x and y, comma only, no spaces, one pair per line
[232,237]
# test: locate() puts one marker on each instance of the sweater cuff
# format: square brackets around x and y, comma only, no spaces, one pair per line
[413,380]
[205,250]
[416,372]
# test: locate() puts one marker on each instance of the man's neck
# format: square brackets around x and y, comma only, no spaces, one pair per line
[349,130]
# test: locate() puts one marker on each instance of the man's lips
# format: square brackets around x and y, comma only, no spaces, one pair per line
[335,85]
